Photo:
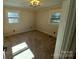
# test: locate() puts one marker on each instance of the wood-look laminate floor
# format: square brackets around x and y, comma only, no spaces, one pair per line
[41,45]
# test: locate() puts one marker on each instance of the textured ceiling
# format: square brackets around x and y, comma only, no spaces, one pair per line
[26,4]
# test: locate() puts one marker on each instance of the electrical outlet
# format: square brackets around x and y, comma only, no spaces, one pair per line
[13,30]
[54,33]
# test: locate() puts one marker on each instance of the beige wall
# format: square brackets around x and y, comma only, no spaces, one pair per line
[30,20]
[43,21]
[26,21]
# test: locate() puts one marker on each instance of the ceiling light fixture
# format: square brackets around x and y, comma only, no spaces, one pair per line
[35,3]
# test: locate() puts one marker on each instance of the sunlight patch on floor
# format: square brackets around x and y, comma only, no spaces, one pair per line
[25,54]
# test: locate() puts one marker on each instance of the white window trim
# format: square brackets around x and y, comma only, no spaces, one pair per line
[16,11]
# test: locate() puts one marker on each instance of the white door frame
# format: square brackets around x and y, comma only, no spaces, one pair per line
[66,29]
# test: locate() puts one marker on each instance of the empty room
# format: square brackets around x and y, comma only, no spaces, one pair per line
[38,29]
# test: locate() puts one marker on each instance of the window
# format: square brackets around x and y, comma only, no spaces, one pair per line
[21,51]
[55,17]
[13,17]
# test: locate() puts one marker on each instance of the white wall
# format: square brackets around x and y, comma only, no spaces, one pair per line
[26,21]
[43,21]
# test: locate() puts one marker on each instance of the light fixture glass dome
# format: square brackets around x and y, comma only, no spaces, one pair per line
[35,3]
